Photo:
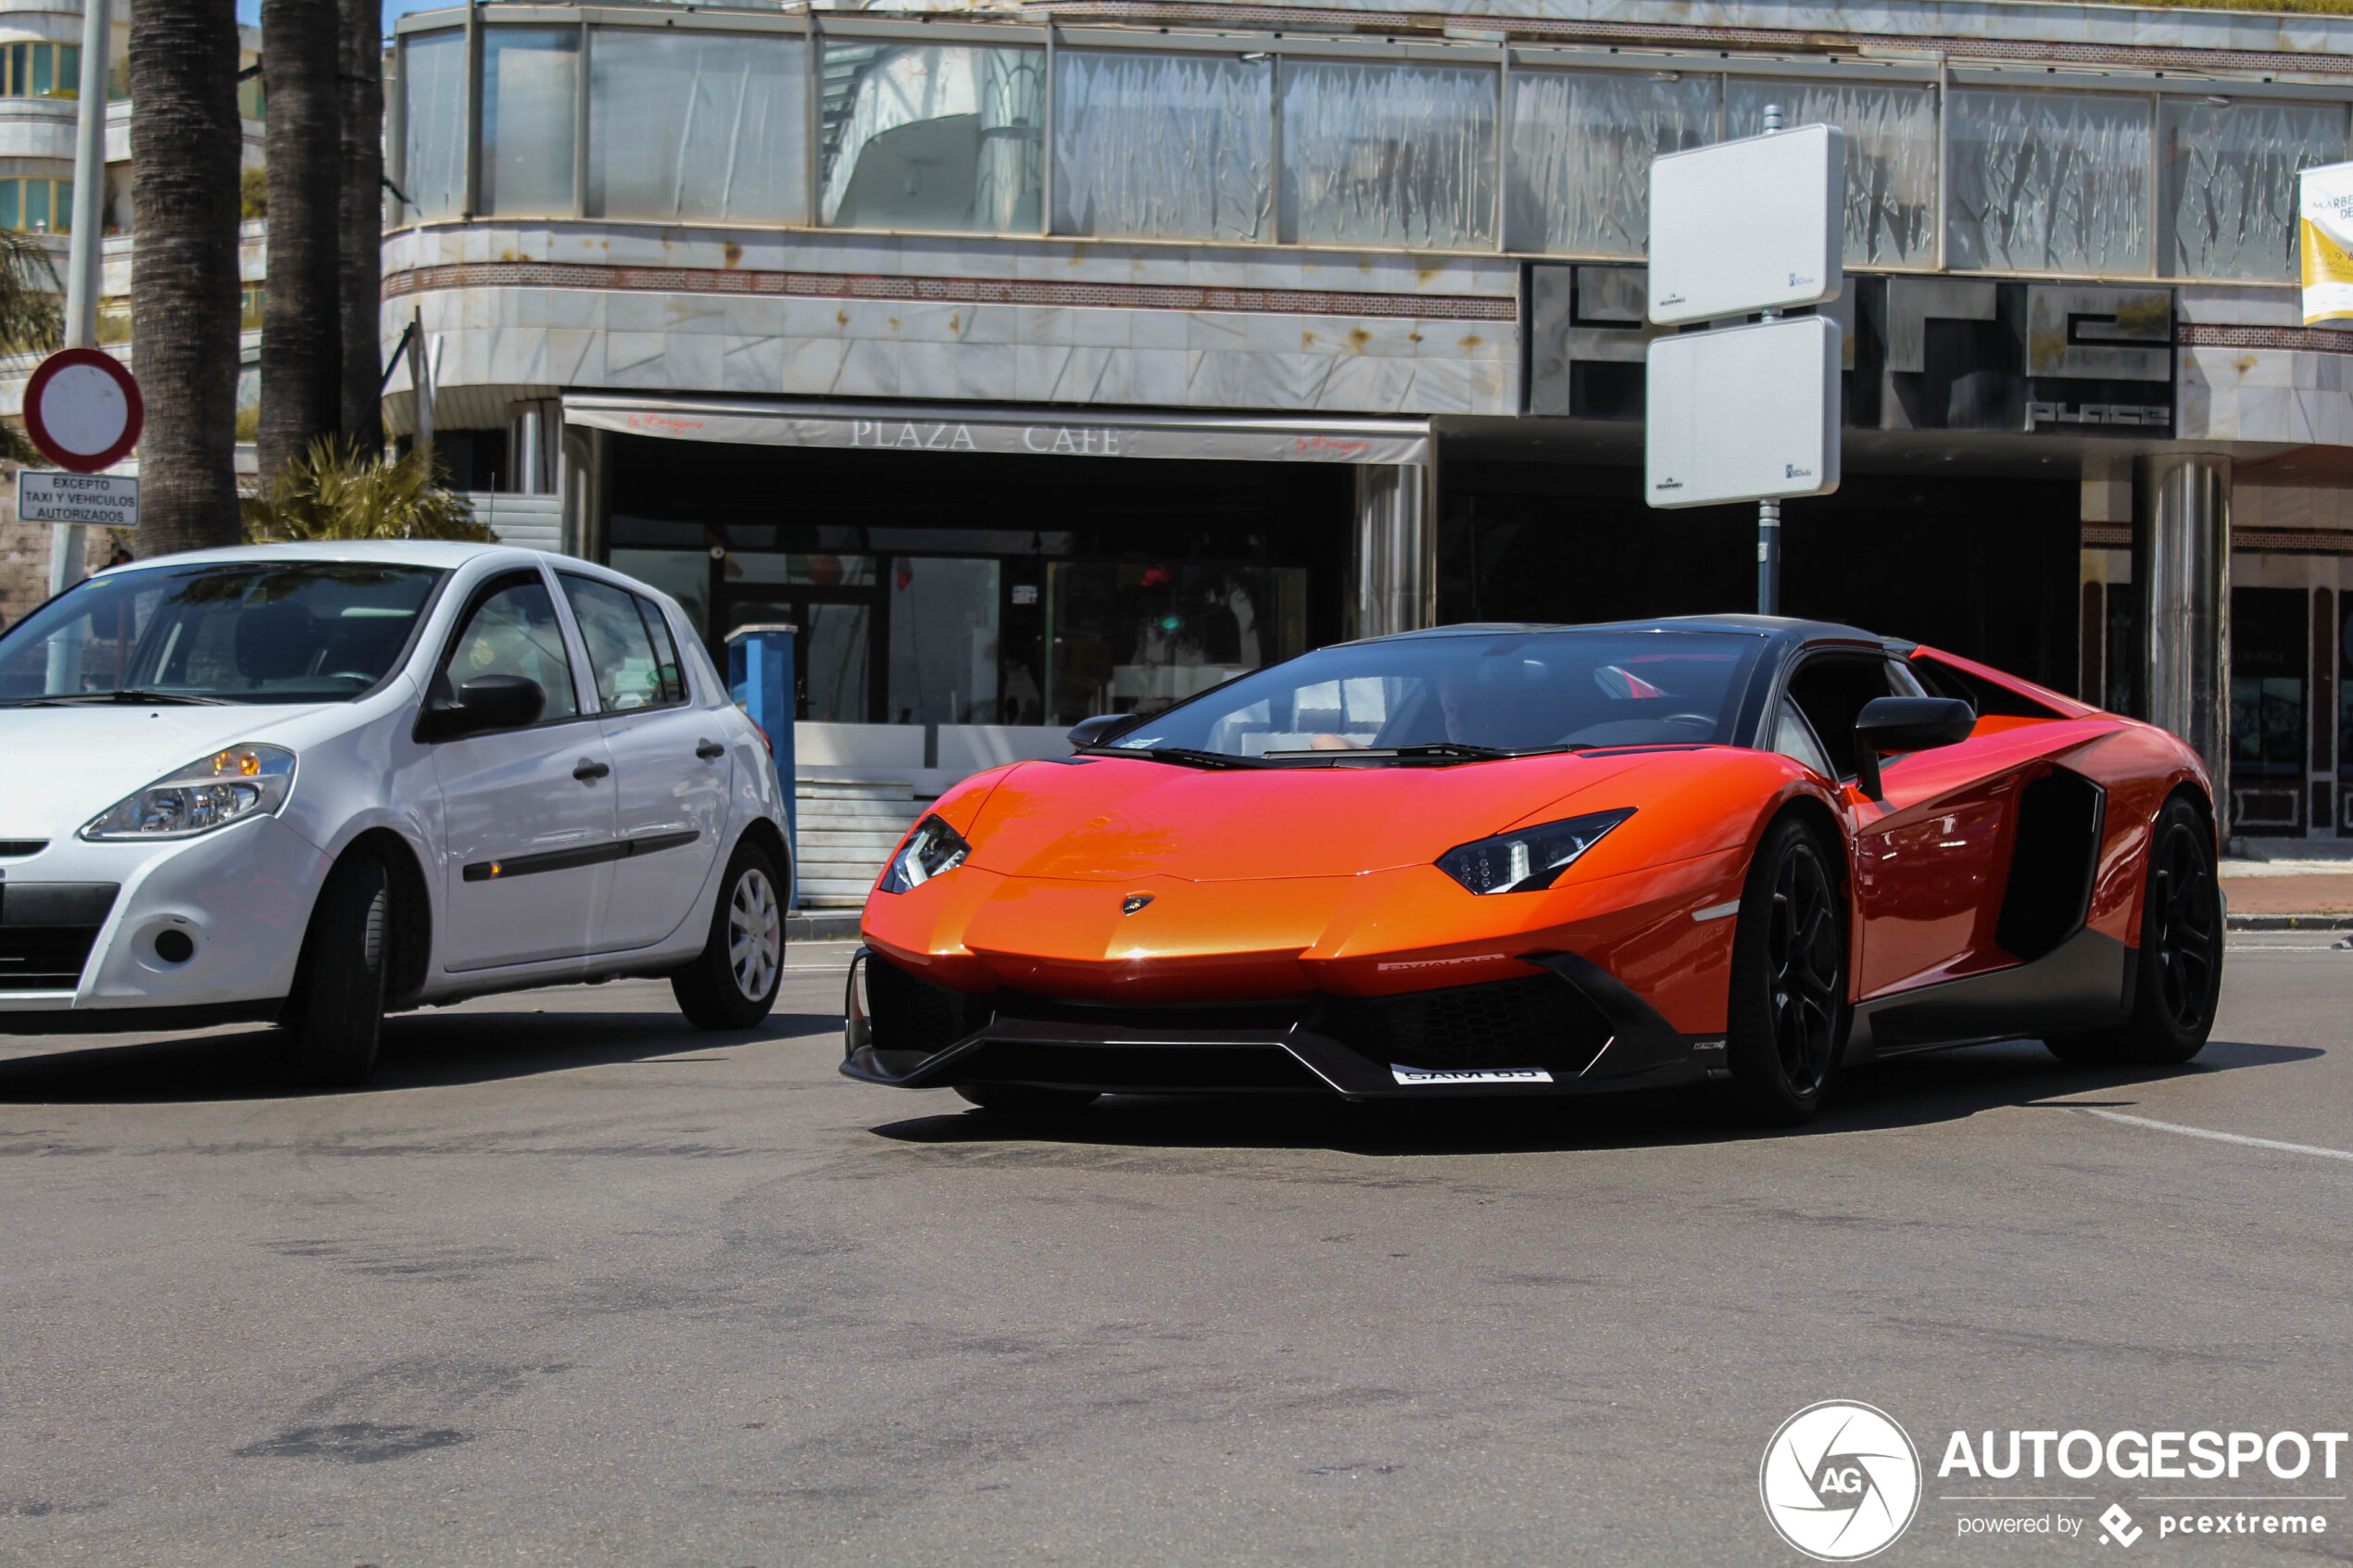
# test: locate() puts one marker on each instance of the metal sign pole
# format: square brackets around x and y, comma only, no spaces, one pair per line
[1768,513]
[69,542]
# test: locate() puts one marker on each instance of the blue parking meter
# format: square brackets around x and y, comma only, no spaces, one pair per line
[759,679]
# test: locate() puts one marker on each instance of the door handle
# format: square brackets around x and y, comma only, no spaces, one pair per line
[588,770]
[710,750]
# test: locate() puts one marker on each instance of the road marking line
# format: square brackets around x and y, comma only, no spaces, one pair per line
[2218,1138]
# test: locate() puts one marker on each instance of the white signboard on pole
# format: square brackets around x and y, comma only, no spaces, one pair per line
[1757,225]
[81,500]
[2324,239]
[1743,414]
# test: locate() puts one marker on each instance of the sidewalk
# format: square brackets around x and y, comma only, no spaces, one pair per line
[2288,895]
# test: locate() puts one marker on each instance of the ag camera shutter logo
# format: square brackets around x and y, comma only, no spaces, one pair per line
[1841,1481]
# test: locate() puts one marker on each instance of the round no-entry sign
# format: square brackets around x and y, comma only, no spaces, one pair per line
[83,409]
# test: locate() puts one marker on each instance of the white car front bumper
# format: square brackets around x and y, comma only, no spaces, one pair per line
[241,897]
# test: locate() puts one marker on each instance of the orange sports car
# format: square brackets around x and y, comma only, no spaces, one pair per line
[1732,850]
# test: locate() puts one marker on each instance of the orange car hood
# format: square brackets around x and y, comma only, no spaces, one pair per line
[1111,820]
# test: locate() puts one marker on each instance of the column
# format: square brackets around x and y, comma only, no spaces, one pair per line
[1394,558]
[2322,720]
[2182,564]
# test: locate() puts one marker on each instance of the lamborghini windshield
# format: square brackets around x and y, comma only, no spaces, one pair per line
[1461,697]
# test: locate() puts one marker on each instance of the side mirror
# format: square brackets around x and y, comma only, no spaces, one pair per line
[1905,723]
[1101,728]
[488,702]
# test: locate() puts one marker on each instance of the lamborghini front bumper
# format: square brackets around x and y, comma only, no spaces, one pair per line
[1569,1027]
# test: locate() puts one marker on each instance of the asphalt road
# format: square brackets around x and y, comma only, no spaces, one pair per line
[571,1285]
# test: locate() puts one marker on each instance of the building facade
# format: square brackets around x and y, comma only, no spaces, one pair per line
[1050,359]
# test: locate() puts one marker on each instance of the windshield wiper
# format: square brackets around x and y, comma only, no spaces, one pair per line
[134,698]
[1184,756]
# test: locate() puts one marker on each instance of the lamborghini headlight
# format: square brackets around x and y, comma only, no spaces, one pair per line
[932,848]
[212,792]
[1527,859]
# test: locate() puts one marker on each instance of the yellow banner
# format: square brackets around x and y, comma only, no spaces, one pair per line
[2326,242]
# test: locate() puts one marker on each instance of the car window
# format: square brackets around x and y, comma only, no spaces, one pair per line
[514,632]
[630,673]
[1830,690]
[1792,736]
[666,663]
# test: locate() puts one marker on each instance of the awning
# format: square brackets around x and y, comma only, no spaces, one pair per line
[952,428]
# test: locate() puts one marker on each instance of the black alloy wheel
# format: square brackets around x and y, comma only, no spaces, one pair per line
[2186,925]
[2178,974]
[1786,1016]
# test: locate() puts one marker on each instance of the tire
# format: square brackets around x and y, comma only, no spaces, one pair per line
[732,983]
[338,1010]
[2178,967]
[1026,1101]
[1786,1015]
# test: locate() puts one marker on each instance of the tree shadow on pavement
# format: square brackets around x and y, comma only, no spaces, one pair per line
[425,1050]
[1908,1092]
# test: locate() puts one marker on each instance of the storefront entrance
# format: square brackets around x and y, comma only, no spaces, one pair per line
[938,589]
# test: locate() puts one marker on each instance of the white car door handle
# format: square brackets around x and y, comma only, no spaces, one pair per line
[710,750]
[587,770]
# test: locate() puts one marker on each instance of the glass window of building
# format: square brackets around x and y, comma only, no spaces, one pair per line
[1166,146]
[1383,153]
[1891,158]
[933,136]
[943,641]
[528,77]
[2049,183]
[41,71]
[1581,148]
[1131,637]
[696,126]
[36,207]
[433,145]
[2230,185]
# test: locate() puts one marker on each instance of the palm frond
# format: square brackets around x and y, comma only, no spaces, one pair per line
[31,312]
[332,492]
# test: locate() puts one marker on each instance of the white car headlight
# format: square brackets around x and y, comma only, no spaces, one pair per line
[212,792]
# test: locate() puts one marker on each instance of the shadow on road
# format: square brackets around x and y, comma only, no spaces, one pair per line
[1909,1092]
[420,1050]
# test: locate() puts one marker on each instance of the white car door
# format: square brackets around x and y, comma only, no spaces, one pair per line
[527,813]
[671,766]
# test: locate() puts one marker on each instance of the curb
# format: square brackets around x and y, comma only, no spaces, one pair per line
[831,925]
[2289,923]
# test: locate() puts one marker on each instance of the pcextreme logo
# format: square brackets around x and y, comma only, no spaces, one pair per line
[1841,1481]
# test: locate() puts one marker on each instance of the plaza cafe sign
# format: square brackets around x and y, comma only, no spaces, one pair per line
[1007,431]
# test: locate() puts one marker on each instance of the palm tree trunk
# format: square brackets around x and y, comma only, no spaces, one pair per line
[301,313]
[360,262]
[184,145]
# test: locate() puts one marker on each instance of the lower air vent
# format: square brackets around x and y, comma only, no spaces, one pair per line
[1137,1069]
[18,848]
[45,932]
[911,1014]
[1539,1022]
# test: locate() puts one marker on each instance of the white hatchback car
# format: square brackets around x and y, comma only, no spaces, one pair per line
[310,784]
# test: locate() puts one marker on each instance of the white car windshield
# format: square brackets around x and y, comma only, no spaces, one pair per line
[1462,696]
[262,631]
